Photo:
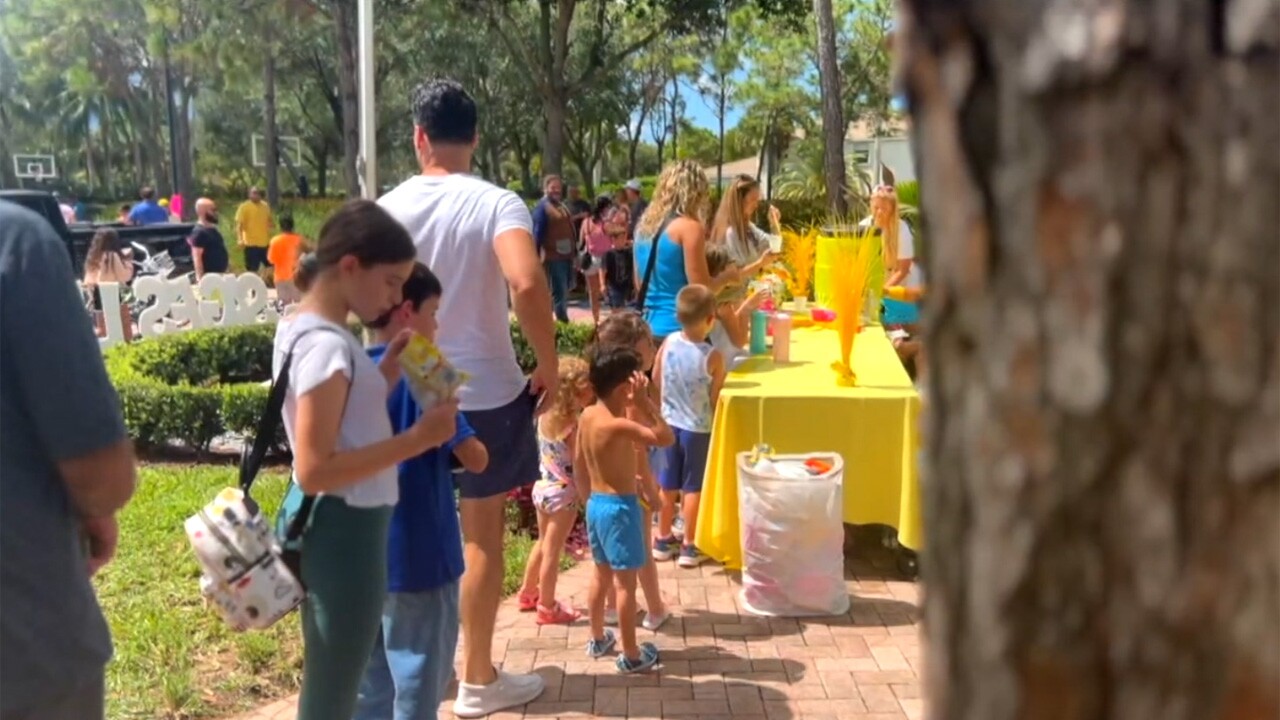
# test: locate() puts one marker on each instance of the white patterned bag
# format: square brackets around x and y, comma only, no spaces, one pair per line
[242,573]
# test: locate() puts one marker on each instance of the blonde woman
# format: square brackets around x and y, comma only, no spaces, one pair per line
[673,233]
[748,245]
[901,269]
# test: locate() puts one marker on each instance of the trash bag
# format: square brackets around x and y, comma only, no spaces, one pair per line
[792,530]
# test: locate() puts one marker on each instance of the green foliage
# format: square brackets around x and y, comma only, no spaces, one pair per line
[188,388]
[571,339]
[174,657]
[801,178]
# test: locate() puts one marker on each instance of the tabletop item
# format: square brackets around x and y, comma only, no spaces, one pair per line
[792,534]
[782,338]
[759,330]
[822,315]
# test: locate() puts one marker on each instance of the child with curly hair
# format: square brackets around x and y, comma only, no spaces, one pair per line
[555,497]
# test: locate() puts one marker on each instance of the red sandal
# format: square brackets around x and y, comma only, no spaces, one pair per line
[557,614]
[527,602]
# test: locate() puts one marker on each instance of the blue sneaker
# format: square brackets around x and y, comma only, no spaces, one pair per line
[665,548]
[648,659]
[600,648]
[691,557]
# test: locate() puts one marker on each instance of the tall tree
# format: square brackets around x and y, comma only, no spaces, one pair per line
[833,125]
[563,51]
[1103,321]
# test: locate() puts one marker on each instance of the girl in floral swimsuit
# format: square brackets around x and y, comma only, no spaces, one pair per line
[554,494]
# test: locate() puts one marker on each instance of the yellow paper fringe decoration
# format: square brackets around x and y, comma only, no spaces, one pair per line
[798,253]
[854,261]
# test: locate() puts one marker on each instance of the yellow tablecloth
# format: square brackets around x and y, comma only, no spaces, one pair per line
[797,408]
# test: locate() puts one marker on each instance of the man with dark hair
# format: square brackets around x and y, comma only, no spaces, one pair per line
[66,470]
[635,196]
[479,237]
[148,212]
[580,208]
[554,233]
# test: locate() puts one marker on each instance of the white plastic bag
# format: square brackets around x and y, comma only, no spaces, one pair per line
[792,531]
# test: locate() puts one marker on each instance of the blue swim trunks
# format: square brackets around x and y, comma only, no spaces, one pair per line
[615,529]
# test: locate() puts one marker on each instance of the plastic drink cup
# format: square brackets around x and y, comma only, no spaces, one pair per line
[782,338]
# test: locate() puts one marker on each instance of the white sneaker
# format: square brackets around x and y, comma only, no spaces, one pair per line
[507,691]
[652,622]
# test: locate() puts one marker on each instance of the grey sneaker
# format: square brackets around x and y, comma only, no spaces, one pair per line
[600,648]
[647,660]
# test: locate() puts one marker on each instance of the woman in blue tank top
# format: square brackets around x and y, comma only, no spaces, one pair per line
[680,200]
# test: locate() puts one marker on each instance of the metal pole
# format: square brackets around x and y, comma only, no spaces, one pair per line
[173,136]
[367,163]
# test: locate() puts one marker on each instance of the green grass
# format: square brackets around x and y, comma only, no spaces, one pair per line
[175,659]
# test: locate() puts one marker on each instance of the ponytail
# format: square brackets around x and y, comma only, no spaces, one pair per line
[308,268]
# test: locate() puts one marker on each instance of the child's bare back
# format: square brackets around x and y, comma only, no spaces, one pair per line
[608,447]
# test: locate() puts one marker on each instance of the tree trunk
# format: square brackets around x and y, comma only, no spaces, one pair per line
[345,25]
[91,167]
[186,156]
[675,116]
[495,159]
[269,131]
[322,171]
[832,112]
[108,181]
[1102,471]
[554,108]
[722,110]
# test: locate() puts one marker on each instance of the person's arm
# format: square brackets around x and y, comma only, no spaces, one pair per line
[465,446]
[68,401]
[320,467]
[530,296]
[581,473]
[718,371]
[240,223]
[539,225]
[197,254]
[693,240]
[761,241]
[731,320]
[646,403]
[906,256]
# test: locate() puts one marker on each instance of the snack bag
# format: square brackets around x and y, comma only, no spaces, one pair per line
[432,380]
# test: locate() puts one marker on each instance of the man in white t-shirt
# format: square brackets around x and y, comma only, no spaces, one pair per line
[478,239]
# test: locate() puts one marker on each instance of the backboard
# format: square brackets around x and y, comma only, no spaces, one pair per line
[290,150]
[34,167]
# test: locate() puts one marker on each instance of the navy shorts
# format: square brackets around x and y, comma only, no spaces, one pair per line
[683,464]
[615,529]
[509,435]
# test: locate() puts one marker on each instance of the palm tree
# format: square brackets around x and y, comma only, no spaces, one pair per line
[802,178]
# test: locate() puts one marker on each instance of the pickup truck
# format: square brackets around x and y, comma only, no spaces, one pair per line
[168,237]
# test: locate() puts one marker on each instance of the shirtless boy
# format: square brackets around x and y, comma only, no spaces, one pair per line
[605,470]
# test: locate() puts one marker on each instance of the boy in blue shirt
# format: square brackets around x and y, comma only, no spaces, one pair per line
[412,661]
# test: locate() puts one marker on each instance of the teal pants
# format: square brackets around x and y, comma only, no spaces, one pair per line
[344,566]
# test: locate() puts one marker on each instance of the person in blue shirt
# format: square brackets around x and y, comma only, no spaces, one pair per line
[412,660]
[148,212]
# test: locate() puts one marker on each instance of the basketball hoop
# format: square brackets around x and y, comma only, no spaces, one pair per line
[27,166]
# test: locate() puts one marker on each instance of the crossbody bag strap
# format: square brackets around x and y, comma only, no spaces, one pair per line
[271,420]
[649,266]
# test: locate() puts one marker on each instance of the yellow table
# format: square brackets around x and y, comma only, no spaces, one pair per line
[797,408]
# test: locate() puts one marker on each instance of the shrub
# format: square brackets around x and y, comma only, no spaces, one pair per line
[191,387]
[188,388]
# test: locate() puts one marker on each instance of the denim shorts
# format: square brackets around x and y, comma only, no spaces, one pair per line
[683,464]
[510,436]
[615,529]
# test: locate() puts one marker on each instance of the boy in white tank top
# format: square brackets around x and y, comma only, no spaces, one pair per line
[688,374]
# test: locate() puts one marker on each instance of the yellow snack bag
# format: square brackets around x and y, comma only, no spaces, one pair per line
[431,378]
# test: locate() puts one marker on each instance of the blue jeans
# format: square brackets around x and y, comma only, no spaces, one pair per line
[412,661]
[559,274]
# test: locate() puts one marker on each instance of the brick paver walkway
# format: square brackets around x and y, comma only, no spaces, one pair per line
[719,662]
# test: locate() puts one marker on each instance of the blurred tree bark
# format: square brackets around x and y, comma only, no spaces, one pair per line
[1100,184]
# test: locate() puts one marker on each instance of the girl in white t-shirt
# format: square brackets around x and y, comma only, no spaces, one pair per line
[344,453]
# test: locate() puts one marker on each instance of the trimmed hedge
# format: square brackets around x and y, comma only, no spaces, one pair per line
[191,387]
